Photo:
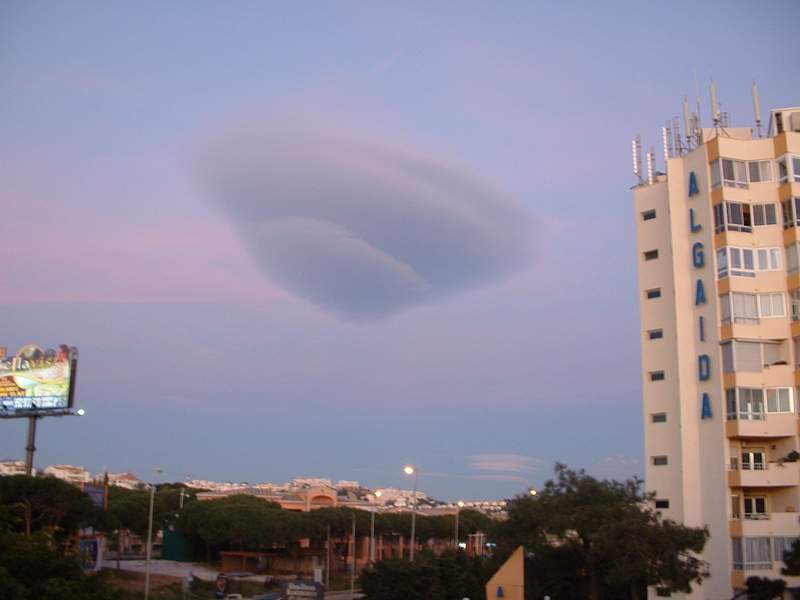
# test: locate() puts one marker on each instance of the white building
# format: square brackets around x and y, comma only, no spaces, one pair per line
[13,467]
[718,241]
[75,475]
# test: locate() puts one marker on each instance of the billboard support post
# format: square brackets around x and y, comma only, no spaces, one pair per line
[31,447]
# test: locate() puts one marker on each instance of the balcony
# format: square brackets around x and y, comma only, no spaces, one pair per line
[764,475]
[761,425]
[765,525]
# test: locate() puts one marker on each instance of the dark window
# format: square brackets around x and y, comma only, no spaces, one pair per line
[653,293]
[663,592]
[662,503]
[649,214]
[659,461]
[656,375]
[659,417]
[651,254]
[764,214]
[655,334]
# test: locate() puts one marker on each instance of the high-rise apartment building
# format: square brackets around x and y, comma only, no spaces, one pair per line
[718,242]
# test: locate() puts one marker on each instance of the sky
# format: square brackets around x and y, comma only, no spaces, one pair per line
[329,239]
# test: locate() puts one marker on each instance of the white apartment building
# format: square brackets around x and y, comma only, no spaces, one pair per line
[75,475]
[718,243]
[13,467]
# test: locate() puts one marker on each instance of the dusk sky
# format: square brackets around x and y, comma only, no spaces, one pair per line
[329,239]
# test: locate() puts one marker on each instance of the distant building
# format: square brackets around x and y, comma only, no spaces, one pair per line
[126,480]
[75,475]
[13,467]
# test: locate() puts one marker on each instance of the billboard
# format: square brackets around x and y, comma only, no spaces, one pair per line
[37,382]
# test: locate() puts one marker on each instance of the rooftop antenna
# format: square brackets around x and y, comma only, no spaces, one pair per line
[666,141]
[688,130]
[676,134]
[757,108]
[651,166]
[697,98]
[636,149]
[715,113]
[696,129]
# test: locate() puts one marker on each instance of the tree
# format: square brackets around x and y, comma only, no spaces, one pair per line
[763,588]
[616,540]
[791,559]
[46,503]
[447,577]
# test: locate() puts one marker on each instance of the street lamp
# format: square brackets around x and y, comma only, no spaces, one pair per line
[149,538]
[533,492]
[459,506]
[377,494]
[411,470]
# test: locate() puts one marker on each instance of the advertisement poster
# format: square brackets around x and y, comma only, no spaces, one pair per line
[36,381]
[91,553]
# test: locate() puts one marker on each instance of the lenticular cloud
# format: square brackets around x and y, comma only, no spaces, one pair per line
[360,225]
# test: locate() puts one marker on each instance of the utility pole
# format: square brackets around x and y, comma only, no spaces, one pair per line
[353,570]
[31,447]
[328,560]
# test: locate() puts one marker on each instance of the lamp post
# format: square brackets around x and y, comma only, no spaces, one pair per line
[377,494]
[411,470]
[459,506]
[149,539]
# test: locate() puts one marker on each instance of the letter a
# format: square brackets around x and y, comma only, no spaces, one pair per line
[700,294]
[706,407]
[693,189]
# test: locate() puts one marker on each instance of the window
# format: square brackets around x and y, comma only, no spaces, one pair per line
[771,305]
[754,553]
[792,257]
[795,297]
[739,308]
[759,171]
[753,460]
[781,545]
[735,507]
[784,164]
[658,417]
[733,216]
[750,402]
[755,507]
[663,592]
[655,334]
[734,173]
[764,214]
[657,376]
[783,169]
[653,293]
[659,461]
[747,356]
[744,262]
[779,400]
[769,259]
[735,261]
[649,214]
[791,212]
[747,309]
[662,503]
[651,254]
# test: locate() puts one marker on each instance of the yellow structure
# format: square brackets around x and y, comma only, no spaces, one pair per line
[718,243]
[509,581]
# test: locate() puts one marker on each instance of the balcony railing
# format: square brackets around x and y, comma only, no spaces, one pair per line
[747,416]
